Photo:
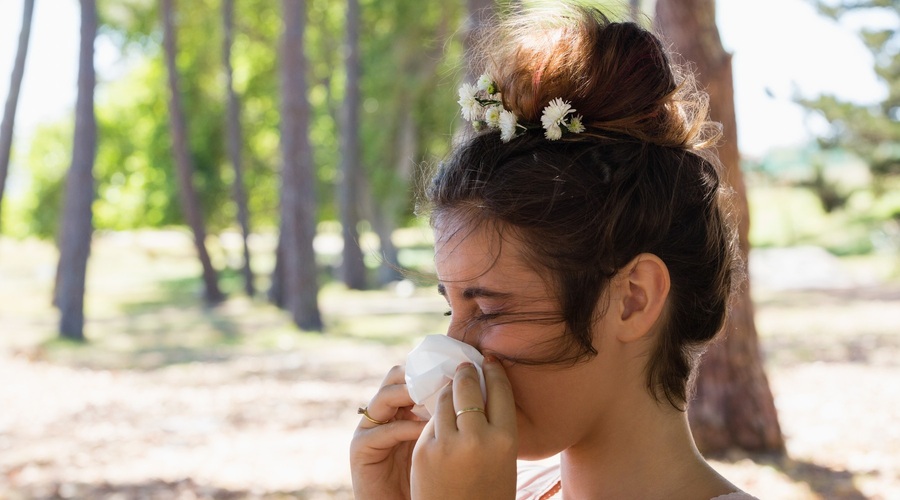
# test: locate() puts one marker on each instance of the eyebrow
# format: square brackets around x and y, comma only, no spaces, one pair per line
[475,292]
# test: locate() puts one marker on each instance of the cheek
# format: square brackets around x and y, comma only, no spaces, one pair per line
[521,341]
[537,390]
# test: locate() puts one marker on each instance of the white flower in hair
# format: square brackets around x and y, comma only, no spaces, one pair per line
[575,125]
[492,116]
[553,132]
[482,104]
[555,113]
[471,108]
[508,125]
[486,83]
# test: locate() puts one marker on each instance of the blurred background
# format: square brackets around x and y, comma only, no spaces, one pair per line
[205,205]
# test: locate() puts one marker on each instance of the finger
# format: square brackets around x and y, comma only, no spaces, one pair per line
[386,403]
[444,415]
[428,431]
[386,437]
[396,375]
[501,404]
[467,395]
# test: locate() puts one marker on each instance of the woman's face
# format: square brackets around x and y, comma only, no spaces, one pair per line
[504,307]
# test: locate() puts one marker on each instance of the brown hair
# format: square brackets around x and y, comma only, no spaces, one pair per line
[637,180]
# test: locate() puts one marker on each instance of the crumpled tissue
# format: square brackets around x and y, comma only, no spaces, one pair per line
[430,367]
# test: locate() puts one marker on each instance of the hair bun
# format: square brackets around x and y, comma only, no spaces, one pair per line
[617,75]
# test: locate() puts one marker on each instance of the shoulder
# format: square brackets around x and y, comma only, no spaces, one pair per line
[739,495]
[534,480]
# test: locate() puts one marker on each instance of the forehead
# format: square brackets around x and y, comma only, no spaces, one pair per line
[483,251]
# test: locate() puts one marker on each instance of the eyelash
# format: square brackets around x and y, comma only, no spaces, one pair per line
[479,317]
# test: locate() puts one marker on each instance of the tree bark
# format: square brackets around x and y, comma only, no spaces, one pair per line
[352,268]
[276,287]
[183,161]
[386,211]
[77,226]
[298,195]
[234,143]
[734,407]
[12,97]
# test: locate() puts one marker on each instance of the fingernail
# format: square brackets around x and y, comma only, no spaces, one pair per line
[464,365]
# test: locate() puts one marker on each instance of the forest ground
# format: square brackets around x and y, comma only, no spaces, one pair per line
[170,400]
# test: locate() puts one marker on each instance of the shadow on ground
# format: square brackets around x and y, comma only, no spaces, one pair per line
[825,482]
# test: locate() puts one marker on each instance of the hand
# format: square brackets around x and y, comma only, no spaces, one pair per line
[381,455]
[472,455]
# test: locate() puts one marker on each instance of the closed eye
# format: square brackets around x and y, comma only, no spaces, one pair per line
[479,317]
[486,316]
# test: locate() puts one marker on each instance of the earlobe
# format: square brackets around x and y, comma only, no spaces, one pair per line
[644,287]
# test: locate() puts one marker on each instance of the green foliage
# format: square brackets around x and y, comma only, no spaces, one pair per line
[410,70]
[411,55]
[48,161]
[870,131]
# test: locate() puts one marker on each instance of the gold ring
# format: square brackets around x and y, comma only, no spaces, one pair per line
[364,411]
[472,408]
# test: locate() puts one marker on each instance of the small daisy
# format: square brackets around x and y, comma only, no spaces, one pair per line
[554,115]
[492,116]
[486,83]
[471,108]
[575,125]
[508,125]
[553,132]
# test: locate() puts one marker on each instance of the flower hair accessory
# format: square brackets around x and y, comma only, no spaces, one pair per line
[482,104]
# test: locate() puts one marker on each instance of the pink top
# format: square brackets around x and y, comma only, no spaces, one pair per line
[542,482]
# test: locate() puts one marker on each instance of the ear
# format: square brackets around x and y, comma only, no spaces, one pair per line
[643,286]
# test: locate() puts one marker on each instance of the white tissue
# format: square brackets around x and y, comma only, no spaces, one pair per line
[430,367]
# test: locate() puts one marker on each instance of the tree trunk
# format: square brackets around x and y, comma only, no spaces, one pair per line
[733,407]
[234,143]
[298,194]
[183,162]
[352,268]
[12,97]
[76,229]
[276,287]
[384,223]
[406,146]
[388,199]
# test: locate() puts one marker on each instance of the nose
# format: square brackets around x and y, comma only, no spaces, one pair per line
[463,333]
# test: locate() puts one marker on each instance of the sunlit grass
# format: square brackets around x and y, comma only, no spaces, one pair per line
[144,307]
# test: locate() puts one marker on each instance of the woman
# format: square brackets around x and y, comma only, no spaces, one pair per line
[583,245]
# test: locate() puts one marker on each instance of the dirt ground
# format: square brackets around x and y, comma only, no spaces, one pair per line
[275,423]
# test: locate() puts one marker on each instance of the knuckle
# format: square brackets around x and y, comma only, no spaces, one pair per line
[396,371]
[380,394]
[506,441]
[471,442]
[467,380]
